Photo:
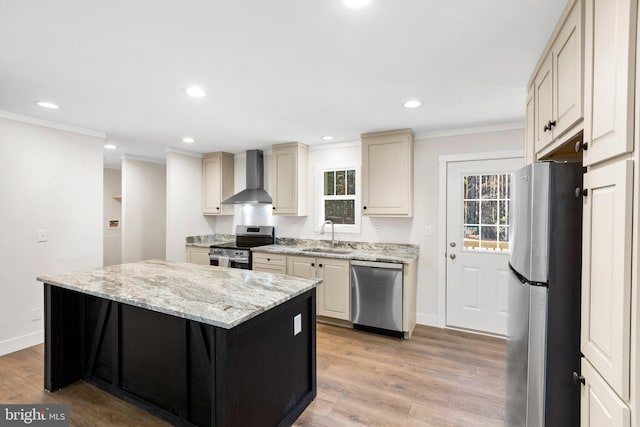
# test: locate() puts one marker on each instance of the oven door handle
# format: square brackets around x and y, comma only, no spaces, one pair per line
[231,259]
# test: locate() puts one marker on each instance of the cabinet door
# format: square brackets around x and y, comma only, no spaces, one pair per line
[198,256]
[212,188]
[285,181]
[567,78]
[606,272]
[609,68]
[335,289]
[599,405]
[387,175]
[302,266]
[529,143]
[543,88]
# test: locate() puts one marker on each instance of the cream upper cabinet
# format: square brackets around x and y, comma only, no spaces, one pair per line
[529,145]
[290,172]
[197,255]
[333,296]
[606,272]
[387,173]
[217,183]
[543,87]
[558,85]
[567,73]
[599,405]
[610,30]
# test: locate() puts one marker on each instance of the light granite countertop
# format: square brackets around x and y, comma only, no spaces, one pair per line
[362,251]
[208,240]
[217,296]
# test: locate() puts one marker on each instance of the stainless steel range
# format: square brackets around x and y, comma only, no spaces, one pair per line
[238,254]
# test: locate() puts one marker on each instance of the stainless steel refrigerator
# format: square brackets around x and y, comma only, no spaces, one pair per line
[543,323]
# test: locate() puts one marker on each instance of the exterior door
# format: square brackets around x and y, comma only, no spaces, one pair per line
[478,197]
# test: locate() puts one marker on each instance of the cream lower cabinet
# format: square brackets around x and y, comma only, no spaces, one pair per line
[600,406]
[269,263]
[198,255]
[606,272]
[333,296]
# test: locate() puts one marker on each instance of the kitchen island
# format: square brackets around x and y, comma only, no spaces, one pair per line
[194,345]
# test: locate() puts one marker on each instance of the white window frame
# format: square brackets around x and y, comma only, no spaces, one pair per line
[319,199]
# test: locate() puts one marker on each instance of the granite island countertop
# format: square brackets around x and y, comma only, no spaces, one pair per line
[217,296]
[361,251]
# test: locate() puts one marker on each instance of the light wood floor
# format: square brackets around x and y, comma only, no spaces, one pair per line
[438,378]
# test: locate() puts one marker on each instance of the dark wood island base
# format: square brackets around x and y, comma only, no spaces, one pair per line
[258,373]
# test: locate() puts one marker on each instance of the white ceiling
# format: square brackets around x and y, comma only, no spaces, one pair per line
[274,71]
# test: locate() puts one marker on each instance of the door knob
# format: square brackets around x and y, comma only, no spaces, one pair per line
[452,256]
[452,244]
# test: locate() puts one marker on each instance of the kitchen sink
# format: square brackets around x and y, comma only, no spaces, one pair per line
[328,250]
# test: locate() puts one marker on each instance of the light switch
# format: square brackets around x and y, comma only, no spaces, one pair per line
[297,324]
[42,235]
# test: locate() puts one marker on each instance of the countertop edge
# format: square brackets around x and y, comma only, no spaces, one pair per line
[351,256]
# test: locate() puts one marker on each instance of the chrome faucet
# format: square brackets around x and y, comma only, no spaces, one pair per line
[328,221]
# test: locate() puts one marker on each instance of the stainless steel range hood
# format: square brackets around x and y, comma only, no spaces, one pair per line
[255,192]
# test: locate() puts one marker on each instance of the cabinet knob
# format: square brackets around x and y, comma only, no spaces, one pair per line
[364,207]
[546,127]
[274,208]
[585,192]
[268,259]
[313,264]
[581,146]
[552,124]
[578,379]
[217,208]
[320,265]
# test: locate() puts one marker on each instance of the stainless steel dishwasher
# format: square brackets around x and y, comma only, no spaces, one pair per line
[376,297]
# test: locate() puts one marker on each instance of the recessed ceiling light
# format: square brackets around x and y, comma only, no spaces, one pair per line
[355,4]
[195,91]
[414,103]
[188,140]
[109,146]
[49,105]
[327,138]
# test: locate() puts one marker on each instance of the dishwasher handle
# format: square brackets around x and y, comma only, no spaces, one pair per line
[376,264]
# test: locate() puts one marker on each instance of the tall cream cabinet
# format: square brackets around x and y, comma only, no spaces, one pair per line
[217,183]
[610,151]
[290,176]
[387,173]
[606,139]
[334,294]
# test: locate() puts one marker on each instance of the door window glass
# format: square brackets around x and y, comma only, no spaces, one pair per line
[486,211]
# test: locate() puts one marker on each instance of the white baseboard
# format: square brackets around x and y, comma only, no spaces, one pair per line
[19,343]
[428,319]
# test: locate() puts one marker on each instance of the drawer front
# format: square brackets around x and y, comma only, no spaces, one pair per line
[266,268]
[270,259]
[599,404]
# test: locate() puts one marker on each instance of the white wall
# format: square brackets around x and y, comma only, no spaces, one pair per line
[144,204]
[49,179]
[184,204]
[390,230]
[112,250]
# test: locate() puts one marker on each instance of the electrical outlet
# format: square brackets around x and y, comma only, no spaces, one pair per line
[430,230]
[297,324]
[36,314]
[42,235]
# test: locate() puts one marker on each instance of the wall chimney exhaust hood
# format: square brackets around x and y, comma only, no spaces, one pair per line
[255,192]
